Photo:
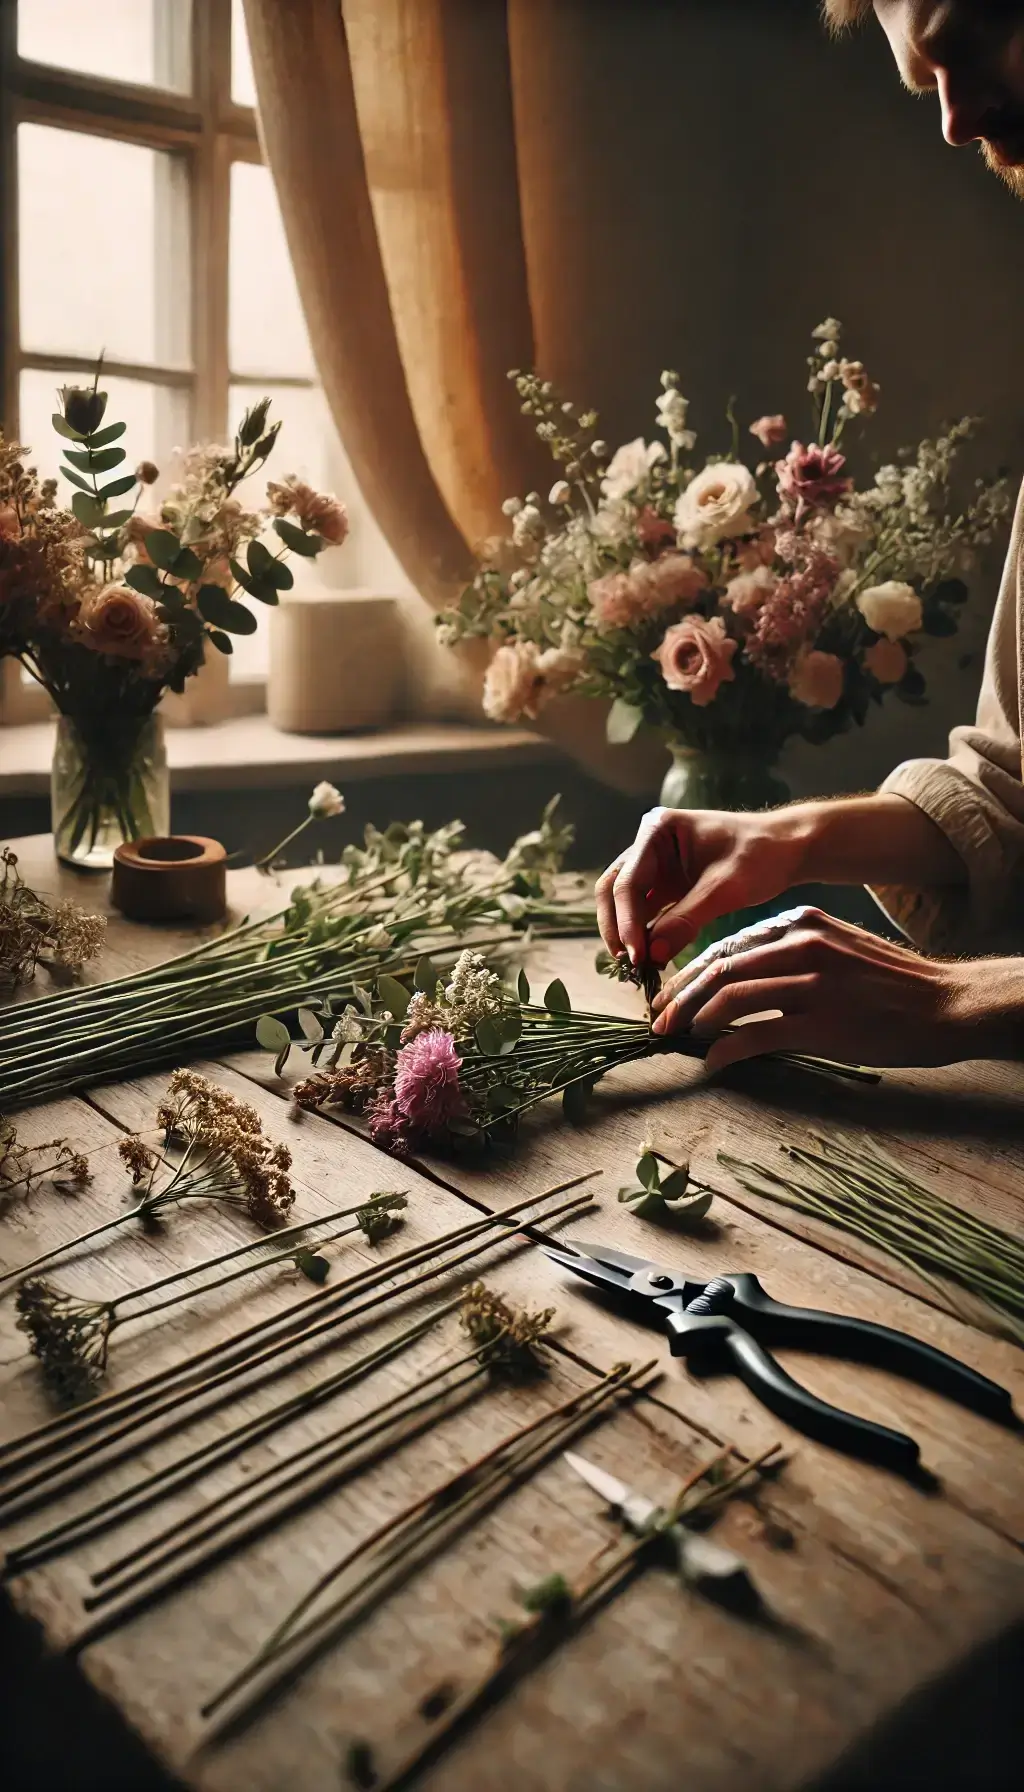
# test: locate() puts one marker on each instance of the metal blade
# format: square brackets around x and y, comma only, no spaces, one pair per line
[589,1269]
[635,1509]
[603,1253]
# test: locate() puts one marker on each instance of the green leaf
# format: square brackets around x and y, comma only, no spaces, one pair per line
[111,434]
[675,1185]
[188,566]
[163,548]
[299,540]
[465,1129]
[115,519]
[632,1191]
[556,998]
[118,487]
[221,611]
[623,721]
[310,1024]
[222,643]
[488,1037]
[105,460]
[272,1033]
[938,622]
[281,1060]
[393,995]
[81,459]
[265,569]
[76,479]
[145,579]
[241,577]
[427,978]
[315,1268]
[264,593]
[510,1029]
[647,1171]
[64,429]
[87,510]
[523,987]
[552,1594]
[501,1096]
[951,591]
[687,1213]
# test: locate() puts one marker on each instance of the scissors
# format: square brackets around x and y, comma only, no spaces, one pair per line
[727,1321]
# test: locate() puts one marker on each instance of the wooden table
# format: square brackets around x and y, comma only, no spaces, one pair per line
[875,1585]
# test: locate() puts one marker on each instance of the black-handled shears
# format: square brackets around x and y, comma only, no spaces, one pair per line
[727,1322]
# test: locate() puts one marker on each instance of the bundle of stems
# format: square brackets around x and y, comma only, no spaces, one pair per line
[406,1542]
[407,893]
[524,1644]
[70,1334]
[866,1192]
[82,1444]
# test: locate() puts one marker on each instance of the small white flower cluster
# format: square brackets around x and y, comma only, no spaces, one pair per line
[672,413]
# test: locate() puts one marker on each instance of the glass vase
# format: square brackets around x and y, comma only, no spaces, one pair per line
[706,779]
[108,783]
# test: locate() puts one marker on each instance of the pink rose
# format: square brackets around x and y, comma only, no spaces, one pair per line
[623,599]
[817,679]
[696,656]
[654,531]
[813,476]
[770,431]
[886,661]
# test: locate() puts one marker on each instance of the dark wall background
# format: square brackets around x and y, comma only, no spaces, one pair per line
[726,177]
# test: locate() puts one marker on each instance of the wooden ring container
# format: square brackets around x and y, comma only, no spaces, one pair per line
[170,877]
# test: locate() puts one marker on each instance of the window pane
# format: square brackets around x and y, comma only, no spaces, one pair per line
[267,331]
[243,87]
[157,419]
[307,446]
[142,41]
[128,208]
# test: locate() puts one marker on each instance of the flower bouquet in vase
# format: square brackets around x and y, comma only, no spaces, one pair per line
[727,606]
[109,604]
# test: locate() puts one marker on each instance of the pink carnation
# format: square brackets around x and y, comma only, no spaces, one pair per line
[427,1089]
[696,657]
[622,599]
[770,431]
[813,477]
[817,679]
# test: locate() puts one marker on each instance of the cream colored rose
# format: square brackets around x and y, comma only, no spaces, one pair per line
[748,590]
[695,656]
[120,622]
[892,609]
[886,660]
[817,679]
[715,505]
[514,683]
[560,667]
[326,800]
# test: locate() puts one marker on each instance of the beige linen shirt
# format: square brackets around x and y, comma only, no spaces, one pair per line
[976,797]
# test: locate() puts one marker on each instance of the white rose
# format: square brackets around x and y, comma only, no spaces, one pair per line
[892,609]
[326,800]
[716,505]
[560,492]
[630,467]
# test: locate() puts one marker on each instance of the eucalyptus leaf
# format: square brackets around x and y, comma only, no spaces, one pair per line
[393,995]
[687,1213]
[241,577]
[112,433]
[80,458]
[675,1185]
[118,487]
[523,987]
[311,1025]
[188,566]
[510,1030]
[647,1171]
[87,509]
[115,519]
[427,976]
[272,1033]
[84,485]
[488,1036]
[102,462]
[220,610]
[315,1268]
[556,998]
[281,1060]
[64,429]
[163,548]
[301,541]
[223,643]
[145,579]
[263,566]
[632,1191]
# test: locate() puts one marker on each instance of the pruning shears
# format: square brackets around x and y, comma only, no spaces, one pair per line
[727,1321]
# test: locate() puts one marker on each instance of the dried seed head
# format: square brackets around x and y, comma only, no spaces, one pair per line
[506,1335]
[137,1158]
[68,1336]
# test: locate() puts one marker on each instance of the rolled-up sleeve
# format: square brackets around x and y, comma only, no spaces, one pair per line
[976,797]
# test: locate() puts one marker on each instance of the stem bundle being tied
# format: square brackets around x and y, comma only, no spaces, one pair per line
[405,892]
[866,1192]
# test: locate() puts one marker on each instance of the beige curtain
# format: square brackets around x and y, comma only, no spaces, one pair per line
[410,142]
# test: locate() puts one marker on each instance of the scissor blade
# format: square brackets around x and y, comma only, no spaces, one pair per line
[603,1253]
[590,1270]
[635,1508]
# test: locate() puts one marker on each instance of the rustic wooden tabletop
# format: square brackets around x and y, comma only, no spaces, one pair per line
[872,1585]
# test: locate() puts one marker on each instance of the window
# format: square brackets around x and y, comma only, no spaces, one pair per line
[140,221]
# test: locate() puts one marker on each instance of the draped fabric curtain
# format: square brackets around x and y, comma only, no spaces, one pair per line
[413,144]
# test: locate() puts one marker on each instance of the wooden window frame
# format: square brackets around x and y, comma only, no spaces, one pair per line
[209,132]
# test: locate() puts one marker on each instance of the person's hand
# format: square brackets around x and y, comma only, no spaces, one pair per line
[687,867]
[832,990]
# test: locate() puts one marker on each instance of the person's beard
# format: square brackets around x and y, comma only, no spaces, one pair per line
[1010,173]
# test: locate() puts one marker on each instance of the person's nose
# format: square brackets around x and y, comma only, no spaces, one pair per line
[965,108]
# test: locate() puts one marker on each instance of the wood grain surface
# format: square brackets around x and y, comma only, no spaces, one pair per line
[872,1585]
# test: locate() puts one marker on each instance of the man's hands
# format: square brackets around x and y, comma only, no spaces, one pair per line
[835,991]
[688,866]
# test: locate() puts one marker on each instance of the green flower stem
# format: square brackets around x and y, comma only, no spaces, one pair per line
[160,1483]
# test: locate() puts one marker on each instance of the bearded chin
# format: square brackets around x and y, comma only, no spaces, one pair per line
[1012,177]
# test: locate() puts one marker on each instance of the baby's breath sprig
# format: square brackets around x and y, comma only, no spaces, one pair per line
[34,931]
[24,1167]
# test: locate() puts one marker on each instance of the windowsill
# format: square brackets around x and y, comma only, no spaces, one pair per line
[248,753]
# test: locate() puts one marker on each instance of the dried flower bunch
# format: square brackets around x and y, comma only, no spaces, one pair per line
[113,601]
[507,1336]
[24,1167]
[33,931]
[465,1060]
[727,607]
[404,892]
